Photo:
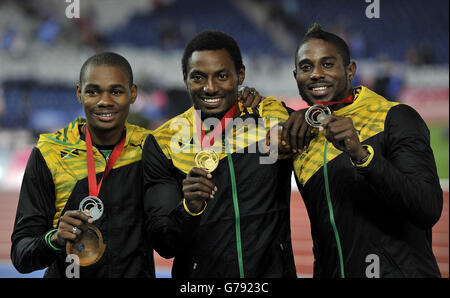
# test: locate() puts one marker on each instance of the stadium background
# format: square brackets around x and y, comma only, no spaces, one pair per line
[403,55]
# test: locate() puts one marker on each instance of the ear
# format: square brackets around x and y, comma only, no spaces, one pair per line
[351,70]
[134,92]
[241,75]
[185,79]
[79,93]
[294,72]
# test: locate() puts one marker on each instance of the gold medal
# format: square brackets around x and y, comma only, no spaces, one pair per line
[207,159]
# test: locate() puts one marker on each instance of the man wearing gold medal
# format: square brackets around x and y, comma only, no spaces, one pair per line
[214,202]
[81,194]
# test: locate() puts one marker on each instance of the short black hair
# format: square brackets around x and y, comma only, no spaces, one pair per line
[316,32]
[212,40]
[108,59]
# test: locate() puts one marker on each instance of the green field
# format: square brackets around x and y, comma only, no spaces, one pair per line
[439,144]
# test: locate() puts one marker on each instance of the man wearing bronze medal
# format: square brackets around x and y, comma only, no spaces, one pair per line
[81,194]
[212,202]
[368,176]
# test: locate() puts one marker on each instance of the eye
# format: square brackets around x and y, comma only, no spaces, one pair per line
[223,76]
[116,92]
[328,64]
[196,78]
[305,67]
[91,92]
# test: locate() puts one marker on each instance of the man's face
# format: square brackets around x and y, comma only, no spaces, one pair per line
[106,95]
[320,72]
[212,81]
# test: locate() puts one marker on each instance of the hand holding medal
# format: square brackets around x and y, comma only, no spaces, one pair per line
[303,125]
[197,187]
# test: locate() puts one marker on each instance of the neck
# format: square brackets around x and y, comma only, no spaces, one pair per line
[344,96]
[337,106]
[104,137]
[221,115]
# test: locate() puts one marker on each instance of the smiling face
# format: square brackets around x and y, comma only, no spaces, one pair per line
[320,72]
[106,95]
[212,81]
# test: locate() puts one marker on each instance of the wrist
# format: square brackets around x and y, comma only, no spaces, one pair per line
[51,240]
[363,159]
[362,154]
[196,212]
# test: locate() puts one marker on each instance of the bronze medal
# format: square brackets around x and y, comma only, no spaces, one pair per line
[89,247]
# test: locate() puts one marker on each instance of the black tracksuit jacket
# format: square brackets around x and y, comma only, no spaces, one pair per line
[383,212]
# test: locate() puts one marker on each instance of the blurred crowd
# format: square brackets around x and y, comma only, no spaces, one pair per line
[25,24]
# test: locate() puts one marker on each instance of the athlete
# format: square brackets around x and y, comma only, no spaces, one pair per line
[367,176]
[56,182]
[215,203]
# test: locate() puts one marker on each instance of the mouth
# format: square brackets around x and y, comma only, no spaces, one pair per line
[106,116]
[319,90]
[212,102]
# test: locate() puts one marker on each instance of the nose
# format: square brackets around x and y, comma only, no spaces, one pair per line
[210,87]
[105,99]
[317,73]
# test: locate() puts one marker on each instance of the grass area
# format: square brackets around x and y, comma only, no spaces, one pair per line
[439,144]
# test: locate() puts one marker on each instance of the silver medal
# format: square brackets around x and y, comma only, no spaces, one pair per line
[316,115]
[92,206]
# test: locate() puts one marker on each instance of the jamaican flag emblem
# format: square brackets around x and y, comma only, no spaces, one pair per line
[69,153]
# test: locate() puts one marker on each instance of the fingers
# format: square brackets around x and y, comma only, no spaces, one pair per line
[72,224]
[334,126]
[198,186]
[75,218]
[285,144]
[197,189]
[194,172]
[309,135]
[298,133]
[341,132]
[249,97]
[294,132]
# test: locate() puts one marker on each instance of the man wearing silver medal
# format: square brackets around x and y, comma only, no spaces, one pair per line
[218,210]
[367,176]
[81,194]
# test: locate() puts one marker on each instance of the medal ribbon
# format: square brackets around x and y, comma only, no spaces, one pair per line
[216,132]
[348,99]
[94,189]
